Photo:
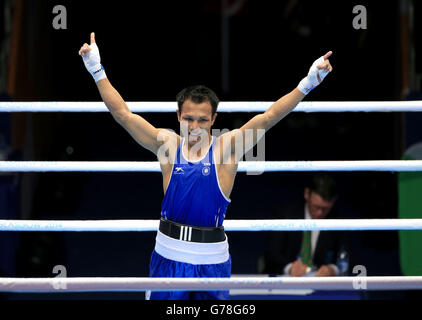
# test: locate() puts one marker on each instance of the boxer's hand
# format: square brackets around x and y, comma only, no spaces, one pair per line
[92,60]
[317,72]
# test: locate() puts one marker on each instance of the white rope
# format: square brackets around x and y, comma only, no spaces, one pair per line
[58,285]
[226,106]
[244,166]
[229,225]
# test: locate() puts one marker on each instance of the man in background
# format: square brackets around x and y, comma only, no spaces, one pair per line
[296,253]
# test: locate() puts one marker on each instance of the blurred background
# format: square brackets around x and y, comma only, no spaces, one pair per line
[245,50]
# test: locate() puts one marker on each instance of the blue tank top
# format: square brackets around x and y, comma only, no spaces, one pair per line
[194,196]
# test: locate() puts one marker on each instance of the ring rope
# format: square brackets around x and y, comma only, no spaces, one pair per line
[229,225]
[244,166]
[163,284]
[226,106]
[86,284]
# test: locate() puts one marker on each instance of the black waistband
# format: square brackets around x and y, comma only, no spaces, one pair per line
[189,233]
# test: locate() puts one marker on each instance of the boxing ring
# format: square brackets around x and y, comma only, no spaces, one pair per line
[139,284]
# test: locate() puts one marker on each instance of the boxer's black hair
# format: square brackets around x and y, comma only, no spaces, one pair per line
[198,94]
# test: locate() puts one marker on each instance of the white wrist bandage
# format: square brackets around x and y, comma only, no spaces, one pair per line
[92,63]
[311,80]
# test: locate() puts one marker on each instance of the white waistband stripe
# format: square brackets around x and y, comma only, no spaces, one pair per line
[191,252]
[185,233]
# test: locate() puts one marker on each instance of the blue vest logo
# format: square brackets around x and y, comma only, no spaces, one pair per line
[178,170]
[206,171]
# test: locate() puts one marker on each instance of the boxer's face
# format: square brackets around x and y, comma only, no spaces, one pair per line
[196,120]
[317,206]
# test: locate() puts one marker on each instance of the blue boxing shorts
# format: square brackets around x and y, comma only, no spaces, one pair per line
[163,267]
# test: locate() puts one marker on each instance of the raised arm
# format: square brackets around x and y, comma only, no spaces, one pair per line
[261,123]
[140,129]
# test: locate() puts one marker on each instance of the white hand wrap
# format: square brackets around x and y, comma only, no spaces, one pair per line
[311,80]
[92,63]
